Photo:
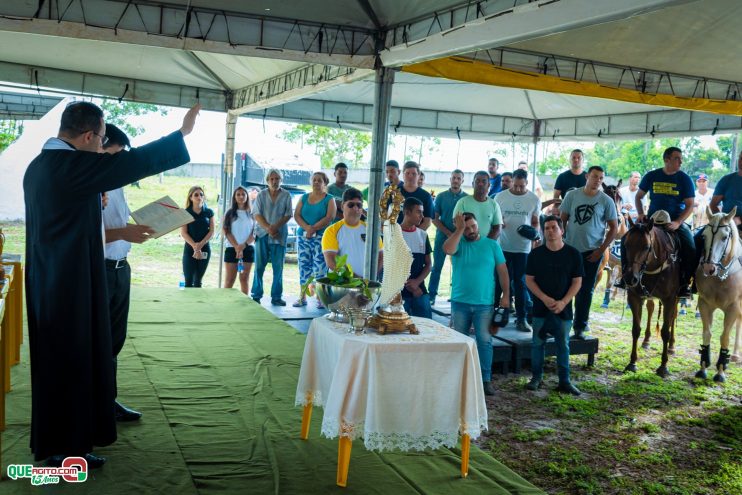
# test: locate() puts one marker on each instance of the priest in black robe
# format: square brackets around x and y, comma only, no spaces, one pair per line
[72,387]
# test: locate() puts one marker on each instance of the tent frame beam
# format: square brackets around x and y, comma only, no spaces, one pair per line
[293,85]
[191,28]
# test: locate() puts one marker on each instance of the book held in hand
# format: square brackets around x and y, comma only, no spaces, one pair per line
[162,215]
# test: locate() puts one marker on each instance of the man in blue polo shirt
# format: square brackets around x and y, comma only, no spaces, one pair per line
[443,221]
[728,192]
[672,190]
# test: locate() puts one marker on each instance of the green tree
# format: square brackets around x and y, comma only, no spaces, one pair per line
[10,131]
[331,144]
[119,114]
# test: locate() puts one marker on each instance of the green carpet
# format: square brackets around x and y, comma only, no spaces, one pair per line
[215,376]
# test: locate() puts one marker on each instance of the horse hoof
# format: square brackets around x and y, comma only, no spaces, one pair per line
[631,367]
[719,378]
[735,358]
[663,372]
[671,350]
[645,345]
[701,374]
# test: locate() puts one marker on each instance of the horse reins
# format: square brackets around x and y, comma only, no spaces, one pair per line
[724,270]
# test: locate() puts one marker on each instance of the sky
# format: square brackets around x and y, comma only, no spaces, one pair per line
[262,140]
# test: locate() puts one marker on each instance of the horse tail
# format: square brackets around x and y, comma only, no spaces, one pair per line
[657,325]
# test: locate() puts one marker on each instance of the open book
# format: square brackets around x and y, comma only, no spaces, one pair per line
[163,215]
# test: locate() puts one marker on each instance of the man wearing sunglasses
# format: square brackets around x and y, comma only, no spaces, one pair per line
[69,328]
[348,236]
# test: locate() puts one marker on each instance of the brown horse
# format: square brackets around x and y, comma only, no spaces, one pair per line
[610,262]
[719,282]
[652,272]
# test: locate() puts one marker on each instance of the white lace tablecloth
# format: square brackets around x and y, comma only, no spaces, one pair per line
[399,391]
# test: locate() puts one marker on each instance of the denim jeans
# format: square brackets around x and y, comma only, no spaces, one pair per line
[267,252]
[516,263]
[584,297]
[463,315]
[538,350]
[439,257]
[418,306]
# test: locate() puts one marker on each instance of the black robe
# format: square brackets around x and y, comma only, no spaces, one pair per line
[66,294]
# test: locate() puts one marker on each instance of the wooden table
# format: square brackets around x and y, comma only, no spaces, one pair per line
[15,302]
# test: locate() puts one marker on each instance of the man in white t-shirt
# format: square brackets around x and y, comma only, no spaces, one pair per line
[628,195]
[701,201]
[348,236]
[518,206]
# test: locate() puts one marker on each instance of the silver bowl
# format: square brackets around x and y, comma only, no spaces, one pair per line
[342,300]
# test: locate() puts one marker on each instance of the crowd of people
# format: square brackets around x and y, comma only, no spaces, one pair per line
[508,245]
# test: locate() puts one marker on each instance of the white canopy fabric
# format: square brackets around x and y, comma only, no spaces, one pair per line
[312,60]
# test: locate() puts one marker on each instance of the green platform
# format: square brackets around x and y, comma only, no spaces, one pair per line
[215,376]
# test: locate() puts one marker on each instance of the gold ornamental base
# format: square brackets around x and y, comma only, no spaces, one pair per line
[392,320]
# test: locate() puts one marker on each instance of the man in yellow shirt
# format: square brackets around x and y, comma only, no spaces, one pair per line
[348,236]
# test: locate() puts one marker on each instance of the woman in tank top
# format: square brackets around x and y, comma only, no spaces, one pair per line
[239,237]
[314,211]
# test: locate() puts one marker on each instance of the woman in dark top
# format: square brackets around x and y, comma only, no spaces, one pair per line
[196,252]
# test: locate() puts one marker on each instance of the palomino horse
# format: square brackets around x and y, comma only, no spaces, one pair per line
[719,282]
[652,272]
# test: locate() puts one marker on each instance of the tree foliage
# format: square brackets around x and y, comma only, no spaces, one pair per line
[10,131]
[620,158]
[119,114]
[332,144]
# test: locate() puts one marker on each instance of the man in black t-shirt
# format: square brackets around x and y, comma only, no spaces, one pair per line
[554,276]
[574,178]
[410,189]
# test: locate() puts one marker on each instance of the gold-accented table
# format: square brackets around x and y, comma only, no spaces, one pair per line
[397,392]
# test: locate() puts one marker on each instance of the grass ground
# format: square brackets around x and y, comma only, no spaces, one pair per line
[627,434]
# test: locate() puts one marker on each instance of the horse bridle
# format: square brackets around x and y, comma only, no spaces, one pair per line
[723,272]
[642,271]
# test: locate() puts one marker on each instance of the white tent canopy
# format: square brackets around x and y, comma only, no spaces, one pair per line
[249,56]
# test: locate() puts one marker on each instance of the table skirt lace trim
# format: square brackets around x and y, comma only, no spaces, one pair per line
[332,428]
[313,397]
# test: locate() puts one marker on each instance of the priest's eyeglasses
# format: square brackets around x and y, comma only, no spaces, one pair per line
[103,138]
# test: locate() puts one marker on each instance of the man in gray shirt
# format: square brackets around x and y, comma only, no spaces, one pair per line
[585,213]
[272,209]
[443,221]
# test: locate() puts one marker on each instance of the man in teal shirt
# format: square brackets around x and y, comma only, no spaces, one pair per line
[443,221]
[475,262]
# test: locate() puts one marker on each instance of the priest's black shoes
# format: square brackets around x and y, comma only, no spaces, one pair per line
[94,461]
[123,413]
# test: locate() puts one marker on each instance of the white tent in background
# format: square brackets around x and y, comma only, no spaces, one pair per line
[15,159]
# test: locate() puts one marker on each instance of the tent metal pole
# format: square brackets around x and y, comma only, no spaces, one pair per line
[379,138]
[227,182]
[536,131]
[734,152]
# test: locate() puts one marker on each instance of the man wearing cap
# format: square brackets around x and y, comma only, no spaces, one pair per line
[728,192]
[628,195]
[701,201]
